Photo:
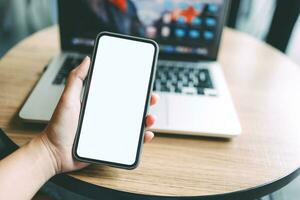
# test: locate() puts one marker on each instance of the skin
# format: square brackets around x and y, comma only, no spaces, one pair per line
[50,153]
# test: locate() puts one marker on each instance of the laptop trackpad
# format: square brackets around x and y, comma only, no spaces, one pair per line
[190,113]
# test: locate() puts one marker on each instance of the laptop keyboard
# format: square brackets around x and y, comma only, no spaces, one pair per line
[183,79]
[69,64]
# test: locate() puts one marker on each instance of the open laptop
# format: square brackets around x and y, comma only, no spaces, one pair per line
[194,98]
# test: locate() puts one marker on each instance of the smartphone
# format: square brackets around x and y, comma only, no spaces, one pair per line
[115,100]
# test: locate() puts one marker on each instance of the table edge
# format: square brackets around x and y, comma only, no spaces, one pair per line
[94,191]
[75,184]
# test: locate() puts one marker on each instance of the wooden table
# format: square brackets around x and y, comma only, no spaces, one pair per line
[265,87]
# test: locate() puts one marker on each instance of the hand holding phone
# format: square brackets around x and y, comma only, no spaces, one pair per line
[119,84]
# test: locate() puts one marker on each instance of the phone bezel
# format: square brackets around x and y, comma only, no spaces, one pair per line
[85,97]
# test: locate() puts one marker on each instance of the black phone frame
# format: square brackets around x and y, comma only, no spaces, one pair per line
[85,97]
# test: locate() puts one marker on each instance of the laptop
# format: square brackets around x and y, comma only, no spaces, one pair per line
[194,98]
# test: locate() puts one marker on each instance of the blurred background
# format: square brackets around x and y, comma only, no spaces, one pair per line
[276,22]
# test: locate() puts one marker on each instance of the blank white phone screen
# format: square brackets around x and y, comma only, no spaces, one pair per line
[114,109]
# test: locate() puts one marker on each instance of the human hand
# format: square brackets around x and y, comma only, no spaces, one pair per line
[58,137]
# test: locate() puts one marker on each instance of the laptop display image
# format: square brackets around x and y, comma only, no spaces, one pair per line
[180,27]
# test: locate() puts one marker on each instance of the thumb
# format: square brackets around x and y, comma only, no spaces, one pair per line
[75,80]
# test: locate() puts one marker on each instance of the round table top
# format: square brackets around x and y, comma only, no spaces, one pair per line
[264,85]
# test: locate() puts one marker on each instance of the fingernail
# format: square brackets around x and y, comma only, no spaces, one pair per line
[86,58]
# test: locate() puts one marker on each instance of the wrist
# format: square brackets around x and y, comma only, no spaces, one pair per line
[51,164]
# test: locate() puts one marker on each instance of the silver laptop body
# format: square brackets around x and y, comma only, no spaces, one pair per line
[194,97]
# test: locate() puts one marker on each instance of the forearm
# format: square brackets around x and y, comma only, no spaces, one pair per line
[26,170]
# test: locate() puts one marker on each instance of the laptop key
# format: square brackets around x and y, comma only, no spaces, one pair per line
[200,91]
[189,90]
[182,78]
[164,89]
[202,77]
[178,90]
[69,64]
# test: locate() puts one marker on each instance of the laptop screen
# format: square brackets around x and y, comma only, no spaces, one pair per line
[184,29]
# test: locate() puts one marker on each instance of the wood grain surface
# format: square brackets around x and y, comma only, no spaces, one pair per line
[264,85]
